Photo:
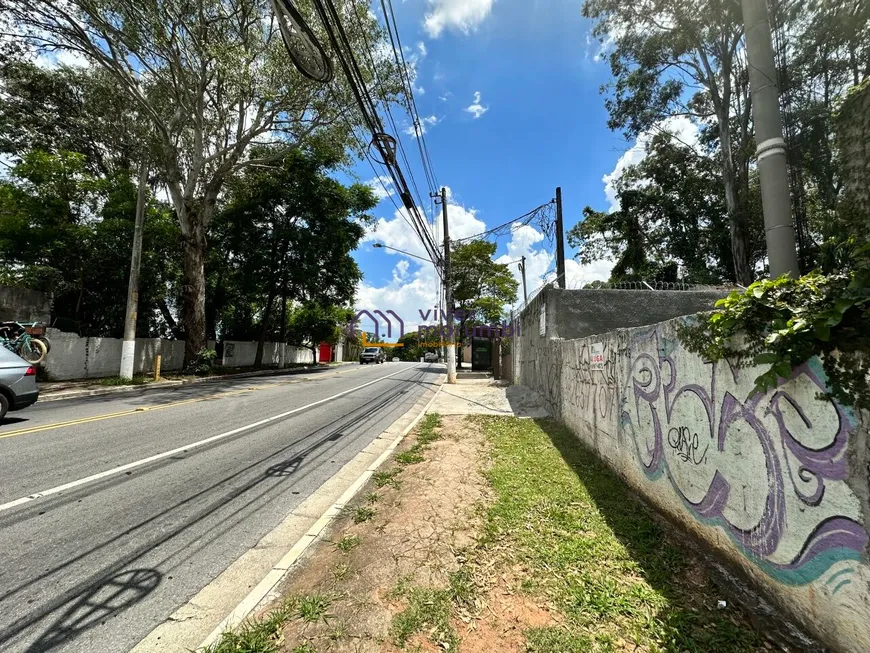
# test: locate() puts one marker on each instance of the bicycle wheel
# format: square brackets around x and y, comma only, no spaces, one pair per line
[302,45]
[32,350]
[45,341]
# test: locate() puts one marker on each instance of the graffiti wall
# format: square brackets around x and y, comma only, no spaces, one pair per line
[777,482]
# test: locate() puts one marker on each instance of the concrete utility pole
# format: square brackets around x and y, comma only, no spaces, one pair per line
[523,271]
[128,348]
[448,295]
[772,171]
[560,242]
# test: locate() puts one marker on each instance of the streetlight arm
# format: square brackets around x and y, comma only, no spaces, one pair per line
[401,251]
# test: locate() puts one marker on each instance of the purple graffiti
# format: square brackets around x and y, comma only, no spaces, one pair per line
[649,414]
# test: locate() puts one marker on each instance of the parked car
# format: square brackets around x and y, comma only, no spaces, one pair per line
[372,355]
[395,359]
[18,387]
[430,357]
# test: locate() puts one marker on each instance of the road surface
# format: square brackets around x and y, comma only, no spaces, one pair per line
[152,495]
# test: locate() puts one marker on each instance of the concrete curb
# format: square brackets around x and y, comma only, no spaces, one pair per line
[126,389]
[266,589]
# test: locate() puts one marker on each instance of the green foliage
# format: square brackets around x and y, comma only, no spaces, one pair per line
[348,543]
[363,514]
[481,287]
[286,236]
[313,607]
[257,635]
[672,213]
[591,551]
[203,362]
[68,231]
[781,323]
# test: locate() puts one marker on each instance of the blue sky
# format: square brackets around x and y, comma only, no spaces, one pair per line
[512,90]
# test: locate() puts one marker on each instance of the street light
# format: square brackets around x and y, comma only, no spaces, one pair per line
[401,251]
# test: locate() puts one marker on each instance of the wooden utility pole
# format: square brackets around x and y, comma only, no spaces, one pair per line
[448,295]
[560,242]
[128,348]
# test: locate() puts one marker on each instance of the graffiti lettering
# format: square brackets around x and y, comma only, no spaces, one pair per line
[770,462]
[686,444]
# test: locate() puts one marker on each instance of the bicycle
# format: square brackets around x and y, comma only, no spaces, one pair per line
[23,340]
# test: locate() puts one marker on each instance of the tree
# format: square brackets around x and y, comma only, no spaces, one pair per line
[285,235]
[210,78]
[66,231]
[481,287]
[672,214]
[674,58]
[312,323]
[68,109]
[411,351]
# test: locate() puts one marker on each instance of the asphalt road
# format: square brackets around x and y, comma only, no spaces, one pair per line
[97,565]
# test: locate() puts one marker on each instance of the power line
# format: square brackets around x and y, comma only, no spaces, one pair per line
[384,101]
[409,88]
[355,79]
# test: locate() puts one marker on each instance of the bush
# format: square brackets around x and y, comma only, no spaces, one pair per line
[781,323]
[203,363]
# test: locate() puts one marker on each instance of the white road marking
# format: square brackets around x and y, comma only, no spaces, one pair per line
[144,461]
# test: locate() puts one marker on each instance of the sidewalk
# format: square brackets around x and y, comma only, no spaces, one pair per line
[493,532]
[57,390]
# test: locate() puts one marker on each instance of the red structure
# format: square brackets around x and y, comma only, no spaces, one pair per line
[325,353]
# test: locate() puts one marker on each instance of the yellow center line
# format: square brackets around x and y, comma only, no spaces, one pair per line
[145,409]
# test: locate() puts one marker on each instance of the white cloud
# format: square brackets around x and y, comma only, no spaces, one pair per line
[396,232]
[578,275]
[424,124]
[459,15]
[476,109]
[62,57]
[420,90]
[382,186]
[409,292]
[682,129]
[421,48]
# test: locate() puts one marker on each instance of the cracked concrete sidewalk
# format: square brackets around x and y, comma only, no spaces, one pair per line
[488,397]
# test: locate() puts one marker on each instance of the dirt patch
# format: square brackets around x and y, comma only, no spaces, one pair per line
[425,516]
[502,623]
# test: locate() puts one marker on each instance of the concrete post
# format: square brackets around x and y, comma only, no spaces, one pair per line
[772,169]
[128,347]
[448,295]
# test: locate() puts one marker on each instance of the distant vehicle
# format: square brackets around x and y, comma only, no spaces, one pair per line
[372,355]
[18,387]
[430,357]
[395,359]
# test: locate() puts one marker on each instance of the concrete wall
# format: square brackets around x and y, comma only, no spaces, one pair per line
[853,134]
[243,354]
[581,313]
[75,357]
[24,305]
[775,483]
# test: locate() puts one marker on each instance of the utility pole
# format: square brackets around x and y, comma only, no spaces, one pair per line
[128,348]
[560,242]
[772,170]
[448,295]
[523,270]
